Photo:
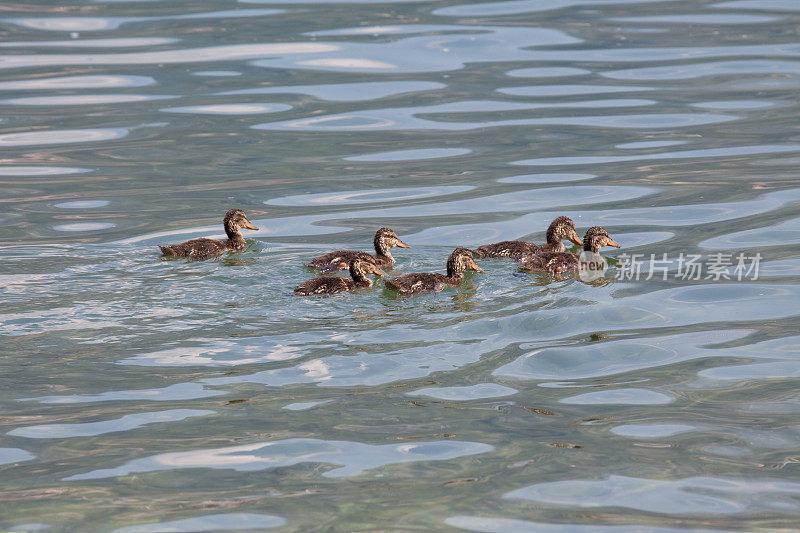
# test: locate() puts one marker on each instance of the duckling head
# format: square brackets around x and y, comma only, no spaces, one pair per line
[360,269]
[235,219]
[596,237]
[562,228]
[385,239]
[460,260]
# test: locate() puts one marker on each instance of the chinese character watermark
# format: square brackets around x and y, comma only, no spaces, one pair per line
[716,267]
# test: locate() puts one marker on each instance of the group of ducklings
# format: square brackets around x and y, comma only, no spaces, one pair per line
[550,257]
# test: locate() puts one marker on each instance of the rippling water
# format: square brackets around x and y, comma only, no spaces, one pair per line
[143,395]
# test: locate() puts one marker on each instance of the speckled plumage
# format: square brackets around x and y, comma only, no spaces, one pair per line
[333,284]
[561,228]
[417,282]
[205,247]
[556,262]
[384,240]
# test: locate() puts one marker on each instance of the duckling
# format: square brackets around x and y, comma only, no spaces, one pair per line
[556,262]
[560,228]
[460,260]
[384,240]
[332,284]
[204,247]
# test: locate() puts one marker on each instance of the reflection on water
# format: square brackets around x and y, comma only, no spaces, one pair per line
[681,496]
[126,423]
[210,396]
[352,457]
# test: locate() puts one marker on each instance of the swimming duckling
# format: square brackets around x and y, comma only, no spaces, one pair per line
[556,262]
[560,228]
[384,240]
[332,284]
[205,247]
[460,260]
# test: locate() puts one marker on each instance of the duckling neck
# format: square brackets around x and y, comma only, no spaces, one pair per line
[455,278]
[235,239]
[551,236]
[382,250]
[453,273]
[359,277]
[590,246]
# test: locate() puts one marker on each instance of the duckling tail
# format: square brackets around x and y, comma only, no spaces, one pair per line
[166,250]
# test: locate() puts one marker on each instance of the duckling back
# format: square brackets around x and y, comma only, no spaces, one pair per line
[512,249]
[197,248]
[324,285]
[418,282]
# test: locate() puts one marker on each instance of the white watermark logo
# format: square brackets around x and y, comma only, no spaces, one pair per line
[592,266]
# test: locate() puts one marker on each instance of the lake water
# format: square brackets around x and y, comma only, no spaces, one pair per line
[139,394]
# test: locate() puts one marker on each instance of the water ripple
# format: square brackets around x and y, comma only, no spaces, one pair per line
[130,42]
[684,154]
[126,423]
[351,458]
[411,155]
[346,92]
[408,119]
[370,196]
[179,391]
[761,5]
[570,363]
[698,70]
[479,391]
[781,234]
[230,109]
[509,525]
[569,90]
[709,495]
[14,455]
[86,99]
[106,81]
[111,23]
[188,55]
[33,138]
[630,396]
[716,18]
[41,171]
[514,7]
[214,352]
[209,522]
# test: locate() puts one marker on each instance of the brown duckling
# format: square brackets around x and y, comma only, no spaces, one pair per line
[333,284]
[556,262]
[385,239]
[560,228]
[205,247]
[460,260]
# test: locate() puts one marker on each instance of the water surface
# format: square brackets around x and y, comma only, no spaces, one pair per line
[140,394]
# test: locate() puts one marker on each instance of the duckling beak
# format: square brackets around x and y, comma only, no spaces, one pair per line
[248,225]
[475,267]
[612,242]
[378,272]
[575,239]
[401,244]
